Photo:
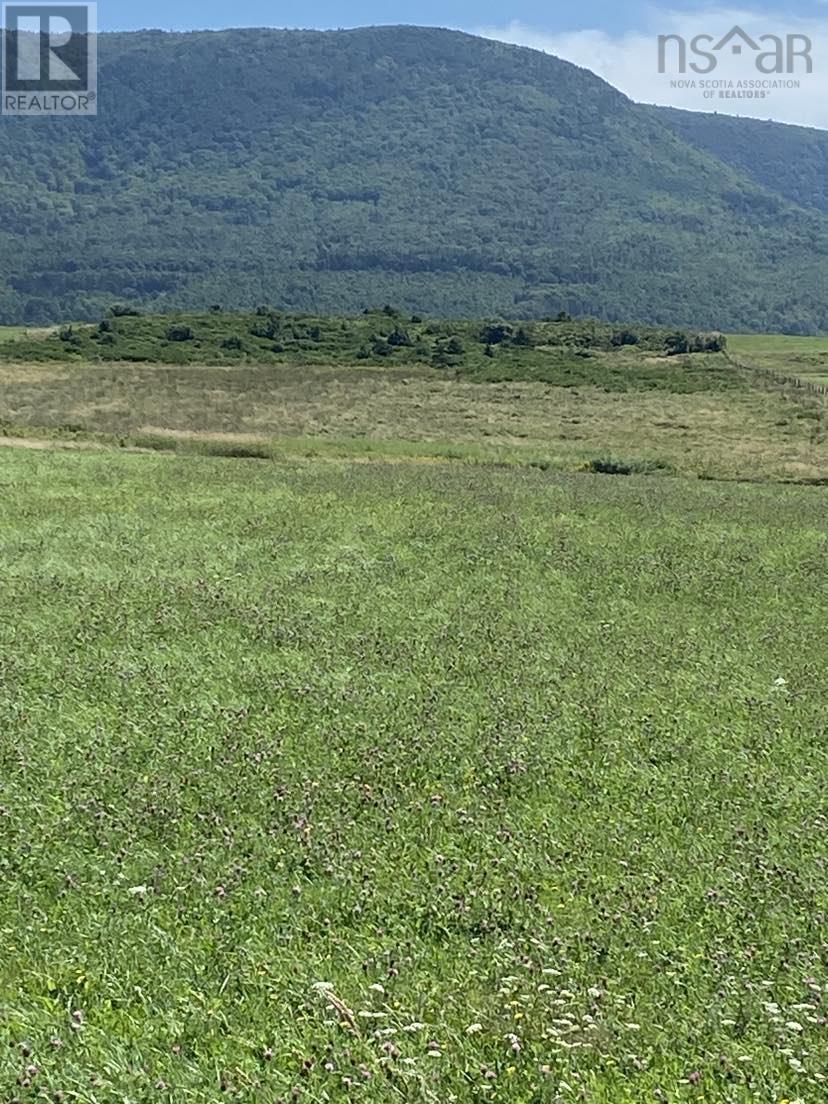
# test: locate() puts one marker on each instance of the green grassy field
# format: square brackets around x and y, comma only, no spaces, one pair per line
[415,782]
[25,334]
[803,357]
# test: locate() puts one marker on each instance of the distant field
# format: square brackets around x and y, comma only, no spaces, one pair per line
[562,394]
[11,333]
[738,432]
[415,782]
[25,333]
[804,357]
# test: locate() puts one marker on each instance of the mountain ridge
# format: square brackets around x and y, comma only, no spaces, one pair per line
[332,170]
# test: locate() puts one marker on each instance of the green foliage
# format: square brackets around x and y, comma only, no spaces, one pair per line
[676,343]
[233,343]
[624,337]
[426,169]
[567,353]
[788,160]
[180,332]
[399,338]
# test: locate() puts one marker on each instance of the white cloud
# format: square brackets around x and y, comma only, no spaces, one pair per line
[629,61]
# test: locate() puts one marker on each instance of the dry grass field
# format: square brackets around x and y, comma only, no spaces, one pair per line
[416,411]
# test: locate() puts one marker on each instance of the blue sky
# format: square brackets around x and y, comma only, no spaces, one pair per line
[180,14]
[603,14]
[617,41]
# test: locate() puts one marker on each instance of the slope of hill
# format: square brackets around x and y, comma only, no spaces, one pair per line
[789,160]
[432,169]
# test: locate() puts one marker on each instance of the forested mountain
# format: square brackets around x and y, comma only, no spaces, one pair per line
[790,160]
[426,168]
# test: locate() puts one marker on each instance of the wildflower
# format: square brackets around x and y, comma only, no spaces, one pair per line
[474,1029]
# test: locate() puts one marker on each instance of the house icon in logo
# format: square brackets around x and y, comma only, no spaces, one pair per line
[772,53]
[736,48]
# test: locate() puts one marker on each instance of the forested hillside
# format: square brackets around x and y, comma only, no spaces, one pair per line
[430,169]
[790,160]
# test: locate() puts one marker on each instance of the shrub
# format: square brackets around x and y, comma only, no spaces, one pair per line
[676,343]
[708,343]
[399,337]
[269,329]
[180,332]
[624,337]
[381,347]
[495,334]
